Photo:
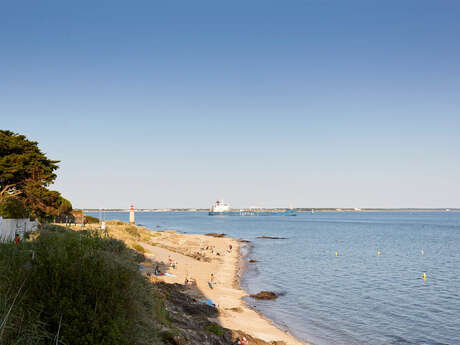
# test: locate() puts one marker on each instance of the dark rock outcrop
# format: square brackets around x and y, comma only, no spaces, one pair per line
[265,295]
[213,234]
[272,237]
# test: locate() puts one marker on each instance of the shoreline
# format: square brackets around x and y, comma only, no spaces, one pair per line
[243,263]
[234,312]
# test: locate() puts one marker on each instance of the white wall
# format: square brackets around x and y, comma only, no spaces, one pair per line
[9,227]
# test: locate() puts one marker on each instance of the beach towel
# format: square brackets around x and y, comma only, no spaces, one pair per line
[208,302]
[169,274]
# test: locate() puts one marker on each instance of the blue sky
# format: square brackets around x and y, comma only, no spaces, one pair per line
[262,103]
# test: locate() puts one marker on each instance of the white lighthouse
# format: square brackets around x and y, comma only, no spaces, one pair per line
[131,214]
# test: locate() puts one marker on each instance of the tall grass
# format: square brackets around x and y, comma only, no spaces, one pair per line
[70,287]
[139,248]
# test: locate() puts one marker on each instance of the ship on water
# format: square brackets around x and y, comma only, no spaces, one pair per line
[220,208]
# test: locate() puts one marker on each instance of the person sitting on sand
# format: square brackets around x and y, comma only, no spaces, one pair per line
[171,262]
[242,341]
[211,282]
[158,271]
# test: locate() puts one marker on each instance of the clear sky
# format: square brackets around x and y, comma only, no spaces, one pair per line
[263,103]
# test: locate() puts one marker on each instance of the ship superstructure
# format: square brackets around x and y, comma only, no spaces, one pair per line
[220,208]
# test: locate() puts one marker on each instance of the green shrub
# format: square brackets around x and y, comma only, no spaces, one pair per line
[12,208]
[139,248]
[54,227]
[87,287]
[168,336]
[214,328]
[161,314]
[92,220]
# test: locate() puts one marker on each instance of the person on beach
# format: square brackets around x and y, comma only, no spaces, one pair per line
[230,247]
[171,262]
[157,271]
[211,282]
[242,341]
[17,239]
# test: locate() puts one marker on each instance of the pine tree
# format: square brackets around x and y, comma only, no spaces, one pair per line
[25,174]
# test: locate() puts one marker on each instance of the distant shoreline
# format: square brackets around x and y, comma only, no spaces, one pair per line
[307,210]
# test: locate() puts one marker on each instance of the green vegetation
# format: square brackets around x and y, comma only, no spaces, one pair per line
[139,248]
[12,208]
[92,220]
[21,159]
[25,174]
[115,222]
[168,336]
[69,287]
[215,328]
[132,230]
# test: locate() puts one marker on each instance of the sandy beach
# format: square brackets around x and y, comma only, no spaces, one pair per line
[215,257]
[196,257]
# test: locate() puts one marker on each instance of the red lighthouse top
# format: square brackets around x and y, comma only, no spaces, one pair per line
[131,208]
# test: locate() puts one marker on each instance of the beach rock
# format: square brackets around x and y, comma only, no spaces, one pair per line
[244,241]
[272,237]
[265,295]
[191,319]
[213,234]
[252,260]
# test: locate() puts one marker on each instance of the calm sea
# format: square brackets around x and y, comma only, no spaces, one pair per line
[357,297]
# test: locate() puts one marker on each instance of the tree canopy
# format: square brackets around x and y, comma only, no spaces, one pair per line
[25,174]
[21,159]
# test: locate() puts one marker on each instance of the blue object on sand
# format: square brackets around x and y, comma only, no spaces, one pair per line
[208,302]
[169,274]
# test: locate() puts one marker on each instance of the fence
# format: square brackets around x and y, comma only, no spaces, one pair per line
[10,227]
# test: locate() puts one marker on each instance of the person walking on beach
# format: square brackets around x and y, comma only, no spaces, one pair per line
[17,239]
[211,282]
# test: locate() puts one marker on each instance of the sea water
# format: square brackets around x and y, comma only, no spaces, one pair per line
[335,287]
